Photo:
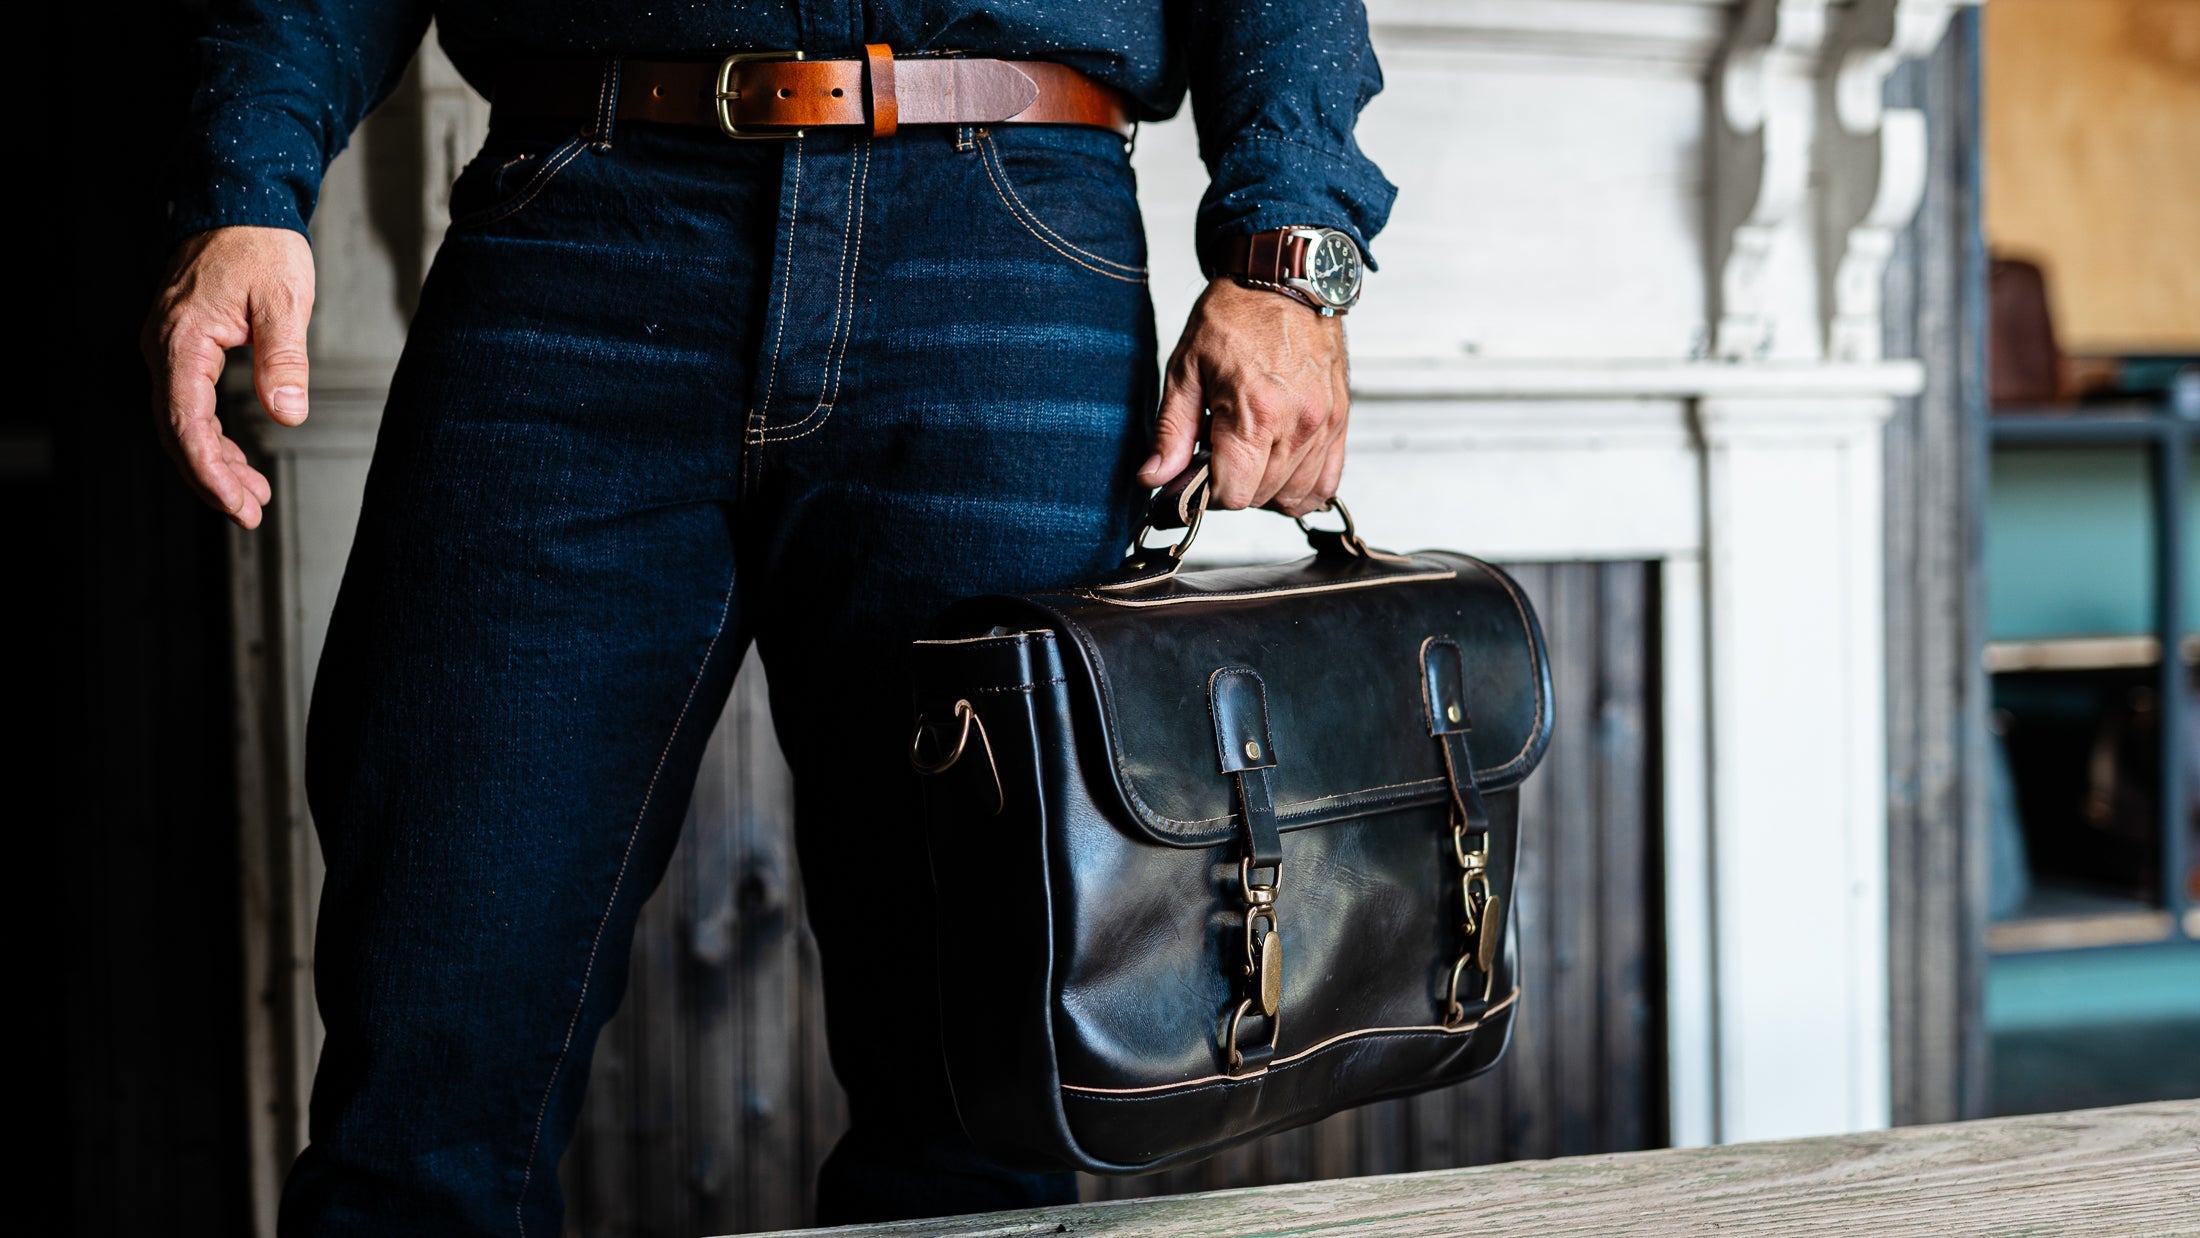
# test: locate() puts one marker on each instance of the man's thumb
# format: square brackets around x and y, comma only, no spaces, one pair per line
[1176,434]
[279,359]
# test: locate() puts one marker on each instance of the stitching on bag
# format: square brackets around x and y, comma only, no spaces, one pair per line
[1213,1081]
[993,150]
[844,314]
[987,163]
[786,292]
[550,168]
[1027,687]
[618,881]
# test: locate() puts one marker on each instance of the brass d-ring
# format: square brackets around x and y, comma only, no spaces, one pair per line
[970,721]
[944,764]
[1350,532]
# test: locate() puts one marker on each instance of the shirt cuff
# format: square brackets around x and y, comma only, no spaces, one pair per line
[1271,181]
[250,166]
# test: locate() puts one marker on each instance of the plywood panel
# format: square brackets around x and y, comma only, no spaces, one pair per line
[2093,163]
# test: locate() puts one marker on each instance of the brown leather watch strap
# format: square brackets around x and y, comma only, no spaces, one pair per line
[879,92]
[1269,257]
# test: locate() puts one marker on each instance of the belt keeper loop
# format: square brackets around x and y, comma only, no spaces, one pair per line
[607,106]
[878,80]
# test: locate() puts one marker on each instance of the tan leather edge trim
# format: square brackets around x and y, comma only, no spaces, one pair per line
[1333,587]
[1093,591]
[1510,998]
[979,640]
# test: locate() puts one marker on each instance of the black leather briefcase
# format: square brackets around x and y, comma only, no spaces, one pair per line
[1222,852]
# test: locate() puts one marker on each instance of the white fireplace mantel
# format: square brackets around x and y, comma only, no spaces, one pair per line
[1628,308]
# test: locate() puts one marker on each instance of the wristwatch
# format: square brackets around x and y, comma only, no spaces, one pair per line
[1319,266]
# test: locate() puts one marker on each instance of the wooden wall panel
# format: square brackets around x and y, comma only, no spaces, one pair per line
[1936,478]
[712,1103]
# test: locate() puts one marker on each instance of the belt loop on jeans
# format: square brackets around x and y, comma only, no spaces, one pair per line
[607,106]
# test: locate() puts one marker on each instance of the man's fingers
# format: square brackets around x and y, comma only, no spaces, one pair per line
[252,479]
[199,442]
[1176,433]
[279,353]
[1299,491]
[1332,475]
[1240,450]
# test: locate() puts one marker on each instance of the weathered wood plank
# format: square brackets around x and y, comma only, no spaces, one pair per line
[2133,1170]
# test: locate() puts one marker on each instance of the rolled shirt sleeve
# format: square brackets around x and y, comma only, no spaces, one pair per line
[1277,89]
[282,83]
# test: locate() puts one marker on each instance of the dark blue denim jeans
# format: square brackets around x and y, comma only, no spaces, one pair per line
[663,396]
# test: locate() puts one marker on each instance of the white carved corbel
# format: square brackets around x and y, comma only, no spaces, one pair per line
[1871,161]
[1762,114]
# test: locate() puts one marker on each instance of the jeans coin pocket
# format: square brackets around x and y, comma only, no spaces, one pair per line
[1071,189]
[508,174]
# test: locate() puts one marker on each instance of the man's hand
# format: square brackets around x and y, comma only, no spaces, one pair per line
[225,289]
[1272,371]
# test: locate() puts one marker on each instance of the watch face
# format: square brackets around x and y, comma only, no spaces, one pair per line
[1333,267]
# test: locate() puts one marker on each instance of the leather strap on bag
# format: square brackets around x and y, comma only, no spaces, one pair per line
[1239,702]
[1481,909]
[777,95]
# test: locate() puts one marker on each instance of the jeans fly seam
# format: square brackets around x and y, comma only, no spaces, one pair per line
[543,175]
[618,881]
[786,291]
[1033,224]
[844,315]
[607,104]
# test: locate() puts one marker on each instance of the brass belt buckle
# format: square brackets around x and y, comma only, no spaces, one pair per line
[727,94]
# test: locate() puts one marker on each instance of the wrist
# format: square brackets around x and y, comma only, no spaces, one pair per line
[1318,267]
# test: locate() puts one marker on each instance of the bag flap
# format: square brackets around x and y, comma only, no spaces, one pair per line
[1340,645]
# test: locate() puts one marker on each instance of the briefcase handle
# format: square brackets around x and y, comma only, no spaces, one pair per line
[1181,503]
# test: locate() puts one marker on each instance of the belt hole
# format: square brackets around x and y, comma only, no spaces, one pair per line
[837,92]
[785,93]
[657,92]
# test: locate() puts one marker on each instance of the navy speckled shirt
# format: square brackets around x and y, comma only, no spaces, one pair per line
[1276,85]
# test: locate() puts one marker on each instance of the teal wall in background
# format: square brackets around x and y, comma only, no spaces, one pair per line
[2111,985]
[2070,544]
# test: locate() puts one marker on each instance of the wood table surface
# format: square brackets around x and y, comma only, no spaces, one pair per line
[2132,1170]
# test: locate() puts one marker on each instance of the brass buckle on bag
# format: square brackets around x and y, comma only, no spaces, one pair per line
[727,94]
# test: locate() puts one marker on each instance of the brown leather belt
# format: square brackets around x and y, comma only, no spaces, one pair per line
[780,94]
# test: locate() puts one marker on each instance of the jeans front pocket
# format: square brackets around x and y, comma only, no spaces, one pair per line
[1071,188]
[508,175]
